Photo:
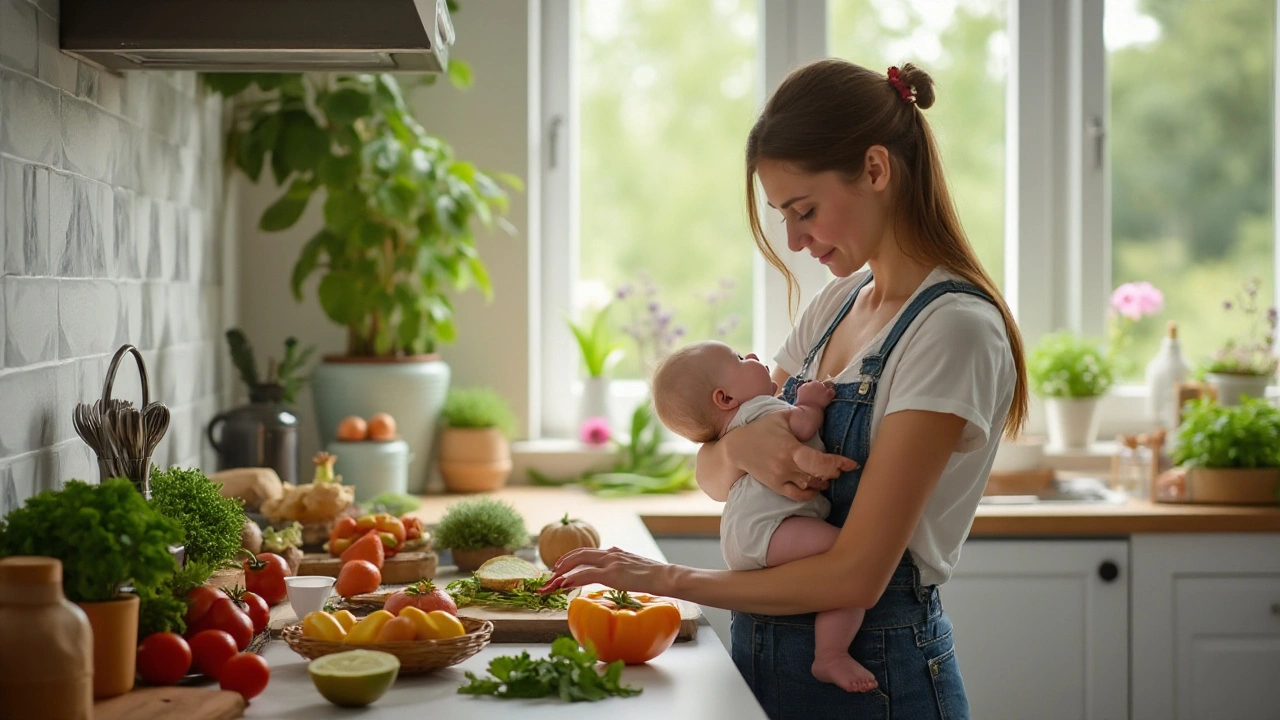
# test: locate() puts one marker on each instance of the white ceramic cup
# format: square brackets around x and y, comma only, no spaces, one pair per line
[307,593]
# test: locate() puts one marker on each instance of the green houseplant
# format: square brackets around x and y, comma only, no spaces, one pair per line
[478,529]
[397,238]
[1070,373]
[1245,363]
[1231,452]
[475,449]
[108,539]
[212,522]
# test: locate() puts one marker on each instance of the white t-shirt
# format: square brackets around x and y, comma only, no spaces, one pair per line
[954,358]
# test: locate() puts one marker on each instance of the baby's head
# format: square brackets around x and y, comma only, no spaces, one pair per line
[697,389]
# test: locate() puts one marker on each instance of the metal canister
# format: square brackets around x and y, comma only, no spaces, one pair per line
[263,433]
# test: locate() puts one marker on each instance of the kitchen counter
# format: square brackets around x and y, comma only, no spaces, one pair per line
[693,513]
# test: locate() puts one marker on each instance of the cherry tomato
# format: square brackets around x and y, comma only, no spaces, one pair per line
[199,599]
[264,576]
[245,673]
[225,616]
[256,608]
[210,650]
[163,658]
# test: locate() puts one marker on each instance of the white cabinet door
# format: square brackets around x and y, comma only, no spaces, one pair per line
[700,552]
[1039,629]
[1206,627]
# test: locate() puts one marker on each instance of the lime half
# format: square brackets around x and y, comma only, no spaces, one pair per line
[354,678]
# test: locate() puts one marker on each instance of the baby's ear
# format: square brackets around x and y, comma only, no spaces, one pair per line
[723,400]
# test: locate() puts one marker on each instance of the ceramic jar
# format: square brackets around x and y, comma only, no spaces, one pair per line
[46,644]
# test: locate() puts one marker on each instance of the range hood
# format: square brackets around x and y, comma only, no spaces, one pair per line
[259,35]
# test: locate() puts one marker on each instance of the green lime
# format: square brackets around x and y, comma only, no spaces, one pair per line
[354,678]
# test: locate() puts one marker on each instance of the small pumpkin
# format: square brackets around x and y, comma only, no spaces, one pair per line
[565,534]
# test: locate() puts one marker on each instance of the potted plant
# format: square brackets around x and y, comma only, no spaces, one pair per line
[108,538]
[398,235]
[601,350]
[478,529]
[1245,364]
[1231,452]
[1070,373]
[263,433]
[212,523]
[475,450]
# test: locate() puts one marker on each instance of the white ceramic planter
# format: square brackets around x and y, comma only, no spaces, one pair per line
[1231,388]
[411,390]
[595,399]
[1073,422]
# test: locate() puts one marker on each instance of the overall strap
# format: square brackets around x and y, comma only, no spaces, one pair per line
[873,363]
[844,310]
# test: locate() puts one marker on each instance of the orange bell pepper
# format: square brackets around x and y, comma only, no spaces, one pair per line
[620,626]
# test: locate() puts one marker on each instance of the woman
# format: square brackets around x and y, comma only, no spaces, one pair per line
[927,366]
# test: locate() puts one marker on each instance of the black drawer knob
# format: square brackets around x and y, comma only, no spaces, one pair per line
[1108,571]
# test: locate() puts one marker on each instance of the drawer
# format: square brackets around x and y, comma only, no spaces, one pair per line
[1229,604]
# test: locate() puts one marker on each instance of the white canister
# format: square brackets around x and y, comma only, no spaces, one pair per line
[372,466]
[1165,371]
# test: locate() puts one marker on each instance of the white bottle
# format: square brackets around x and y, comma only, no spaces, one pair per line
[1164,372]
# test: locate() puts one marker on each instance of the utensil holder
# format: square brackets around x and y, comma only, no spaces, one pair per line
[137,470]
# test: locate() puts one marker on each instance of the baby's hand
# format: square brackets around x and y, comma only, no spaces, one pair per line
[815,393]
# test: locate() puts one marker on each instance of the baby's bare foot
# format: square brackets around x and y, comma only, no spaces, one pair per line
[845,672]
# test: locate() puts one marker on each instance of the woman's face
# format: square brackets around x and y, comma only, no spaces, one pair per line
[838,223]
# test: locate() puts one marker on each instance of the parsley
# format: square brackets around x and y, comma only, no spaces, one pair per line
[467,591]
[569,672]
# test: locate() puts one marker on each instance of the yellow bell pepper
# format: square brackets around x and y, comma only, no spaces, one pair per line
[345,619]
[366,631]
[322,626]
[434,625]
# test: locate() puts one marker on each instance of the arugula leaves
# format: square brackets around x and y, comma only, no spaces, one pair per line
[467,591]
[569,671]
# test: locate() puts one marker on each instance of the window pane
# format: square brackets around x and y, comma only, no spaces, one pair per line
[667,94]
[1191,161]
[964,46]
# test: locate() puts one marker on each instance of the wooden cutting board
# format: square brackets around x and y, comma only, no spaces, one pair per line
[512,625]
[400,569]
[165,703]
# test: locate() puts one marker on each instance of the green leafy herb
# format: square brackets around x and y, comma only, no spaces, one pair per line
[569,671]
[1063,365]
[467,591]
[481,523]
[212,522]
[394,503]
[478,408]
[1222,436]
[600,349]
[163,608]
[641,468]
[106,536]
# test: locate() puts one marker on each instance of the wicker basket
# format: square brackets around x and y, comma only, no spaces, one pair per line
[416,656]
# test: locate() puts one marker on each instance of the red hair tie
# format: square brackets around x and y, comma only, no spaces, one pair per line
[895,79]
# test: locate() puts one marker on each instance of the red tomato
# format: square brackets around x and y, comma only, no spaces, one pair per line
[246,673]
[264,576]
[163,658]
[256,608]
[225,616]
[199,599]
[210,650]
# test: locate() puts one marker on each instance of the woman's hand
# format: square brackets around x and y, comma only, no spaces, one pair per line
[767,450]
[614,567]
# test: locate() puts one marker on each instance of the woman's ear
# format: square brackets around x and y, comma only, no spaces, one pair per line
[876,167]
[723,400]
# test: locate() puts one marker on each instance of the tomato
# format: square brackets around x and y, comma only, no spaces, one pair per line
[622,626]
[245,673]
[264,576]
[225,616]
[163,658]
[412,527]
[252,605]
[388,527]
[210,649]
[357,577]
[423,595]
[199,599]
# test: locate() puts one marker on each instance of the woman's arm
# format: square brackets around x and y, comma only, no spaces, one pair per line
[911,451]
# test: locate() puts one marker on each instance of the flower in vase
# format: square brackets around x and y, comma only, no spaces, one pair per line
[595,431]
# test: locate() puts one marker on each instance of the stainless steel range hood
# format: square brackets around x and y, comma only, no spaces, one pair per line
[259,35]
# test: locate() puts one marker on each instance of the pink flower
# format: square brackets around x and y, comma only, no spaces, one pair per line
[595,431]
[1136,300]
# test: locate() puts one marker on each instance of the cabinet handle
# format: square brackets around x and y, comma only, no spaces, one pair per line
[1108,571]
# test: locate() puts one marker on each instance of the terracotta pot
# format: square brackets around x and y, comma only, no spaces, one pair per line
[474,459]
[115,644]
[469,560]
[1234,486]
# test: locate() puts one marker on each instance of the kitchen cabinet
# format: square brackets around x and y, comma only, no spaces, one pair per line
[700,552]
[1206,626]
[1041,628]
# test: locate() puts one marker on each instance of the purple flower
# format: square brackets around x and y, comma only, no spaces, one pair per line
[624,291]
[595,431]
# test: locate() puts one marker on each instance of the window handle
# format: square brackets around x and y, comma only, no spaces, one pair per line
[1098,134]
[553,139]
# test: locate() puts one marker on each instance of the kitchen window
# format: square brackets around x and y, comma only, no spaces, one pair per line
[1078,157]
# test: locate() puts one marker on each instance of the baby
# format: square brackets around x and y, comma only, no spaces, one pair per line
[703,391]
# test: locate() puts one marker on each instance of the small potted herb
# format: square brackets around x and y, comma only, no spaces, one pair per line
[1245,363]
[475,450]
[1070,373]
[478,529]
[1231,452]
[213,523]
[108,538]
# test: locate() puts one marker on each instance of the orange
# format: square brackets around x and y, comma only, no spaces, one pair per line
[353,428]
[382,427]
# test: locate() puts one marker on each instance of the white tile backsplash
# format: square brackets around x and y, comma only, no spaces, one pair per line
[31,127]
[19,35]
[30,321]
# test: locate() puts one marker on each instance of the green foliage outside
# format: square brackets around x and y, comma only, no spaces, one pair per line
[1236,436]
[480,523]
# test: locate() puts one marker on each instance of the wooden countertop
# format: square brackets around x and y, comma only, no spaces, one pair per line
[693,513]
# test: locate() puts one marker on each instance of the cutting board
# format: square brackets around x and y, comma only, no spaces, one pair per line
[400,569]
[513,625]
[165,703]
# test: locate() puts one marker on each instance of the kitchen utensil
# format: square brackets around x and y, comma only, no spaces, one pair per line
[263,433]
[122,436]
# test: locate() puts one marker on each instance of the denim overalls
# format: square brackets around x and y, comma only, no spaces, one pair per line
[905,640]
